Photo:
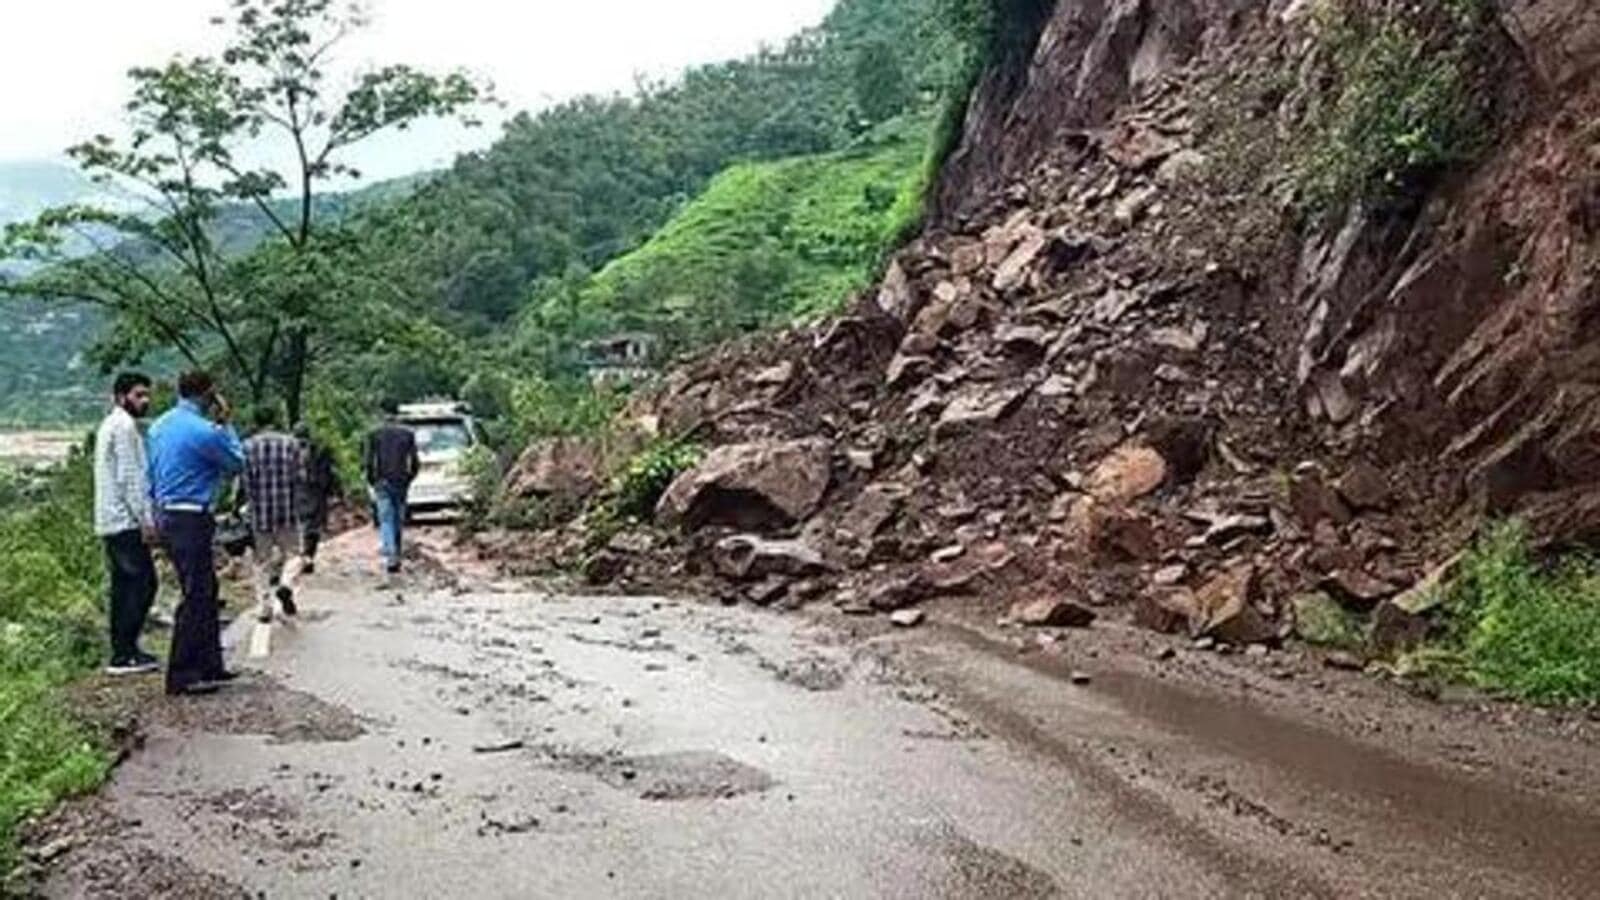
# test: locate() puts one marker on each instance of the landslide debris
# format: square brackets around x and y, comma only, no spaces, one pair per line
[1120,373]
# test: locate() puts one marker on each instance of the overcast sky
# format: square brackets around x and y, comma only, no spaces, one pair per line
[63,67]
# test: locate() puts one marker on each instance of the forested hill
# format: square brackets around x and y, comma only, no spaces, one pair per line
[567,190]
[565,227]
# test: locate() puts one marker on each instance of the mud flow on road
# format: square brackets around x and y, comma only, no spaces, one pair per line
[471,738]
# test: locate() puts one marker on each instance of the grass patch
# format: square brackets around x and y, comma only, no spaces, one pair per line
[1402,101]
[51,584]
[1527,630]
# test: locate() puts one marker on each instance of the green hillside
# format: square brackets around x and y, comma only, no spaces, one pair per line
[767,242]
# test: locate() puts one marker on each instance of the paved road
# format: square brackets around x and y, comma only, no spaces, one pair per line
[495,741]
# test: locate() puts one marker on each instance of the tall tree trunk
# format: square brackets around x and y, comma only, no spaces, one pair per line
[297,361]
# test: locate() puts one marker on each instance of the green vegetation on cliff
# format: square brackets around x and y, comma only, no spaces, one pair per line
[1526,629]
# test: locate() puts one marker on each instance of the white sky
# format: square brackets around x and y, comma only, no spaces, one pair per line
[64,63]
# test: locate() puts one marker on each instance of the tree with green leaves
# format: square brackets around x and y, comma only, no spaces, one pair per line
[198,124]
[881,90]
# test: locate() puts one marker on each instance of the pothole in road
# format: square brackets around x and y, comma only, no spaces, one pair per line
[686,775]
[255,704]
[968,869]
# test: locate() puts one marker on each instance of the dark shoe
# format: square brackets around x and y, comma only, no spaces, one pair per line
[264,618]
[149,659]
[139,664]
[392,568]
[286,600]
[198,689]
[309,568]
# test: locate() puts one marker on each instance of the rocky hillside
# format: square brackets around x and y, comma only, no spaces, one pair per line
[1125,371]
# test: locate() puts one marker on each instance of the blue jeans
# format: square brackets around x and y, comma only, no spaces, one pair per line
[390,499]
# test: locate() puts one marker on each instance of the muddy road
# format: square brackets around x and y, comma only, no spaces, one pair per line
[467,737]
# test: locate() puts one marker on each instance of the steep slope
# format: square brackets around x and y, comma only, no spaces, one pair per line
[1124,369]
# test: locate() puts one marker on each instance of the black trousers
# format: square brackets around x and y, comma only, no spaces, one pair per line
[196,629]
[133,590]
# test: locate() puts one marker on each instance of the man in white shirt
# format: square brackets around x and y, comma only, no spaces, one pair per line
[125,521]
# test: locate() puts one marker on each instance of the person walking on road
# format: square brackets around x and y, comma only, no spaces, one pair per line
[274,486]
[193,448]
[125,522]
[391,464]
[321,484]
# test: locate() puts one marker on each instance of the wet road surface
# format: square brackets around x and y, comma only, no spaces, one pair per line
[493,740]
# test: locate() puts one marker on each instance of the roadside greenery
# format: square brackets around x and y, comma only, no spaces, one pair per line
[51,583]
[1403,101]
[636,487]
[1528,630]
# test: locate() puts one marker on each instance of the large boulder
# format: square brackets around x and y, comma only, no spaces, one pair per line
[556,468]
[758,486]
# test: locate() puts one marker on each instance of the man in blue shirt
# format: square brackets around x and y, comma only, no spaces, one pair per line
[192,450]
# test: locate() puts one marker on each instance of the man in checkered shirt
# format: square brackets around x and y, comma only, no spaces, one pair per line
[274,476]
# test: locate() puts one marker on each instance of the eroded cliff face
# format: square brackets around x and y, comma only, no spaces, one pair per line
[1120,370]
[1077,67]
[1463,334]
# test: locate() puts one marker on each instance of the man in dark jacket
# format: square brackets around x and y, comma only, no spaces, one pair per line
[391,463]
[321,485]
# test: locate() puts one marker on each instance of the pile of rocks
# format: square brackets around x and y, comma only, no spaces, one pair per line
[1080,393]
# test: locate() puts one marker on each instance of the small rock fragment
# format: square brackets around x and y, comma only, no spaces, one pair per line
[1340,659]
[907,618]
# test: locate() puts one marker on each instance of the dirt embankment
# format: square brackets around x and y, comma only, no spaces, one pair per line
[1117,375]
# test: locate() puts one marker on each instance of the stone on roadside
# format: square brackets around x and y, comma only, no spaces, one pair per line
[1049,612]
[1341,659]
[768,591]
[895,592]
[1225,608]
[907,618]
[747,557]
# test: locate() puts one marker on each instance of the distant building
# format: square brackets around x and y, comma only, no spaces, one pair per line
[621,359]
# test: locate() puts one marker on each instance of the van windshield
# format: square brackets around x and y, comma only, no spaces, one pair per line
[443,437]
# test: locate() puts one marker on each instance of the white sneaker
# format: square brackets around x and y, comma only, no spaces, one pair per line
[132,667]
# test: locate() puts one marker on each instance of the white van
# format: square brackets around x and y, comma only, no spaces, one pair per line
[446,432]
